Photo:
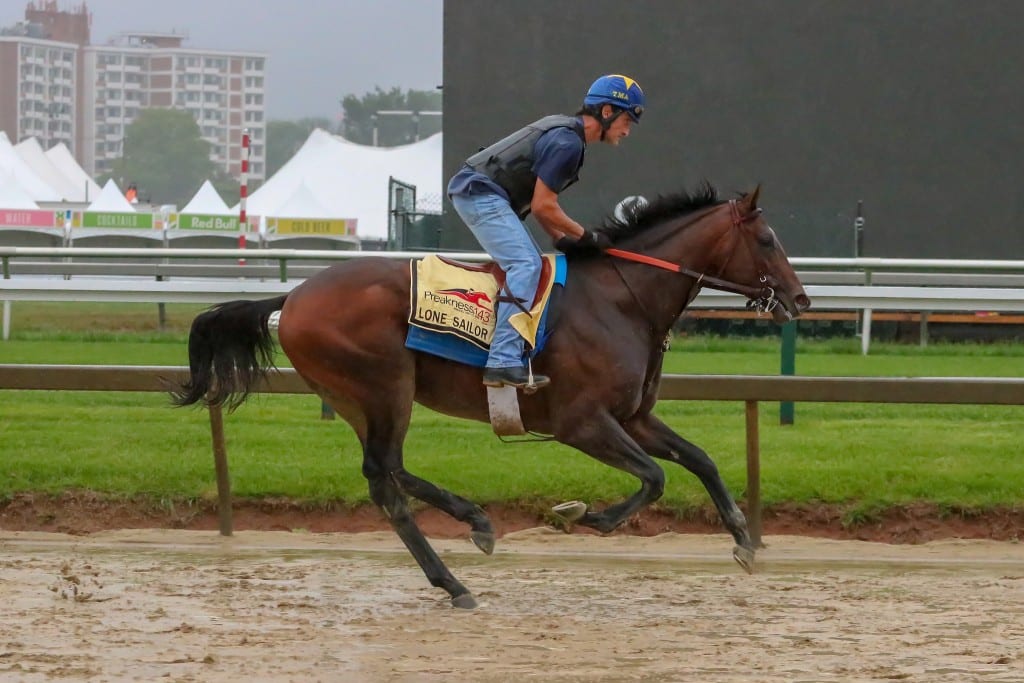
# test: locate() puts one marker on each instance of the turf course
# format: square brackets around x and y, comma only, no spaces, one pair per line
[868,456]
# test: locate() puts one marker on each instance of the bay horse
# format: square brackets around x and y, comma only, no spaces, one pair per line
[344,331]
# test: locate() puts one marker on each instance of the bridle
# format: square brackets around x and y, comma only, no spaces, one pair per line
[762,299]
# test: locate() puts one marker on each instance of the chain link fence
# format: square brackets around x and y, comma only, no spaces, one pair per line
[414,220]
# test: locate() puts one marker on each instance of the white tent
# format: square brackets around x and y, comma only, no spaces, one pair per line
[349,180]
[62,158]
[303,204]
[111,200]
[12,195]
[206,201]
[32,154]
[11,162]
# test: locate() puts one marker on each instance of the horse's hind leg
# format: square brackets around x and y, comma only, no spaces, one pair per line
[382,459]
[658,439]
[461,509]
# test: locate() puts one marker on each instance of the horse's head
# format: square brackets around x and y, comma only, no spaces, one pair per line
[721,245]
[748,256]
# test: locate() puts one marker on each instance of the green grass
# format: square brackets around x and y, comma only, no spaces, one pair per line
[867,455]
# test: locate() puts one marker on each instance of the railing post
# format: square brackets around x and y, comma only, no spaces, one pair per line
[788,367]
[7,304]
[865,334]
[220,463]
[753,475]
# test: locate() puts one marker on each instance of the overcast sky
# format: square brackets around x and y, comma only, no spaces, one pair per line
[318,50]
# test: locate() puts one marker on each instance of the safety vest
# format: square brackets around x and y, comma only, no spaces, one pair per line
[509,161]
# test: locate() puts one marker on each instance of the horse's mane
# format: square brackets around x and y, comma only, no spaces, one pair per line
[640,216]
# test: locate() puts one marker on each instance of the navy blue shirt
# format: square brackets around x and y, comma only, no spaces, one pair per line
[556,156]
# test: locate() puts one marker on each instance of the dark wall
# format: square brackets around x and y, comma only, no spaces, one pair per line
[915,107]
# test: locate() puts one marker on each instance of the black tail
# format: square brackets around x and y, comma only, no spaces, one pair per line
[230,350]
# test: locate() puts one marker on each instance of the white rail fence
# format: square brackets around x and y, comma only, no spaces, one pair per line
[862,284]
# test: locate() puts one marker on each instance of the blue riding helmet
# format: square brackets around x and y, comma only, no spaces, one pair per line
[619,91]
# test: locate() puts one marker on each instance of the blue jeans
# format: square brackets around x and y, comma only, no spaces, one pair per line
[502,235]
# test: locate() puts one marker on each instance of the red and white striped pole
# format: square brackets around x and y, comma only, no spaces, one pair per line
[243,224]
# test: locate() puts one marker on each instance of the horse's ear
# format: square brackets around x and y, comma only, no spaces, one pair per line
[751,199]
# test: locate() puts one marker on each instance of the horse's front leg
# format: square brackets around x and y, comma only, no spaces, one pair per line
[603,438]
[658,439]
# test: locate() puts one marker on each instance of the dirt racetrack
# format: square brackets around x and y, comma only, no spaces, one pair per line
[145,605]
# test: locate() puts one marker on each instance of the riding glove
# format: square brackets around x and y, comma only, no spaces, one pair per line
[588,243]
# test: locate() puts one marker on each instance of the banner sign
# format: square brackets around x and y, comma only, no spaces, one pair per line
[95,219]
[312,226]
[196,221]
[25,218]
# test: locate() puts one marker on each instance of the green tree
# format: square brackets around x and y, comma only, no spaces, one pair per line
[164,156]
[392,130]
[284,138]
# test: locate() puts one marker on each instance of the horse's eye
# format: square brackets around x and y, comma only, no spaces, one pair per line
[765,238]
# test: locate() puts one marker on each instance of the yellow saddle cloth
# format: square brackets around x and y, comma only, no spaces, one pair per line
[462,300]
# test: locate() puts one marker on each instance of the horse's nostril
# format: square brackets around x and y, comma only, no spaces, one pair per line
[803,302]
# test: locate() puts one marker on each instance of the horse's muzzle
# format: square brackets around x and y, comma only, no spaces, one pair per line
[791,307]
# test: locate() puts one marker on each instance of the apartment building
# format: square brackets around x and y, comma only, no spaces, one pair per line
[224,91]
[38,82]
[57,87]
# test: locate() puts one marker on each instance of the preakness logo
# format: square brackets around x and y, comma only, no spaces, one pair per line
[471,295]
[469,301]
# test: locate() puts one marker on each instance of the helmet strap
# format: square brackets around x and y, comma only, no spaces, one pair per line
[607,122]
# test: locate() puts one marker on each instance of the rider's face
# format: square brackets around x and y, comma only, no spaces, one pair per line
[620,128]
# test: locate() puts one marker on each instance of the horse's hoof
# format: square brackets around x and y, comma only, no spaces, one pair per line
[464,601]
[483,540]
[745,558]
[570,511]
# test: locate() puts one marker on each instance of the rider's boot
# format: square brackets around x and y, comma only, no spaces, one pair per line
[515,376]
